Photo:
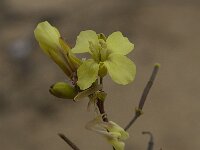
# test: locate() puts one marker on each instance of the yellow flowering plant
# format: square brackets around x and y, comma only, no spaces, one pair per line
[108,56]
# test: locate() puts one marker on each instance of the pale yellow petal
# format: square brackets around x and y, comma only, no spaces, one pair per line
[82,42]
[117,43]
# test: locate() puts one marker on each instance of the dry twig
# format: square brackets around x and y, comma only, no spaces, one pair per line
[138,111]
[70,143]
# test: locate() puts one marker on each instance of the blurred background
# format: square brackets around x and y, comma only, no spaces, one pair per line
[162,31]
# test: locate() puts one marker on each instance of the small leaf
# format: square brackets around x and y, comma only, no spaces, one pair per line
[87,92]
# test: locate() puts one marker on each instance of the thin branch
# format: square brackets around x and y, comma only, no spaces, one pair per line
[138,111]
[70,143]
[100,104]
[151,141]
[137,114]
[148,86]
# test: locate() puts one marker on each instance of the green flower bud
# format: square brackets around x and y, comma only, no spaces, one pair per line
[102,70]
[47,36]
[63,90]
[72,61]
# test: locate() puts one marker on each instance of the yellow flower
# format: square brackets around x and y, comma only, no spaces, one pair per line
[108,55]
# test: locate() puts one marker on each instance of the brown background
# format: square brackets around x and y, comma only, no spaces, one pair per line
[162,31]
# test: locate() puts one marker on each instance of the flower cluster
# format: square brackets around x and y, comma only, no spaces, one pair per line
[108,56]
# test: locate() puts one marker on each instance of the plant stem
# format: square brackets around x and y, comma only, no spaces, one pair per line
[100,105]
[151,141]
[101,80]
[148,86]
[70,143]
[138,111]
[137,114]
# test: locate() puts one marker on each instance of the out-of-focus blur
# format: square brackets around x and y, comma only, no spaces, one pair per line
[162,31]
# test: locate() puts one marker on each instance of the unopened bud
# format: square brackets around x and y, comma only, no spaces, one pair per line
[102,70]
[47,36]
[73,61]
[63,90]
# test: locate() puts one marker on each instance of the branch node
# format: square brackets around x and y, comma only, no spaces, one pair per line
[138,111]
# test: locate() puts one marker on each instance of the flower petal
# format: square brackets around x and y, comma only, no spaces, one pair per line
[87,74]
[121,69]
[82,42]
[117,43]
[47,36]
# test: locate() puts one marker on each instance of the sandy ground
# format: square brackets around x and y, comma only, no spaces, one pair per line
[162,31]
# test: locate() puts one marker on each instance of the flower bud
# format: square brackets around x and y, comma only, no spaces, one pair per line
[102,70]
[56,48]
[63,90]
[47,36]
[70,58]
